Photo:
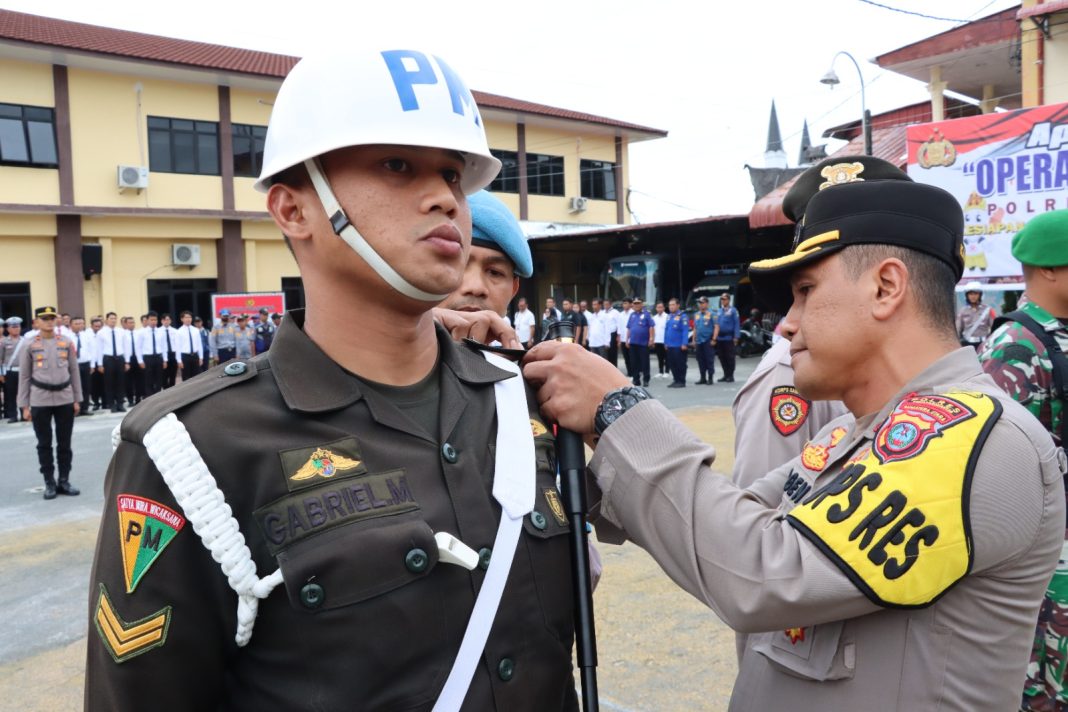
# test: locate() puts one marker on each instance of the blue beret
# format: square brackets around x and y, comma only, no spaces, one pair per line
[494,226]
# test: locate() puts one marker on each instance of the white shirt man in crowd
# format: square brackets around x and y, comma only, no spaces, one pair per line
[115,349]
[85,342]
[598,329]
[524,324]
[660,319]
[188,347]
[151,353]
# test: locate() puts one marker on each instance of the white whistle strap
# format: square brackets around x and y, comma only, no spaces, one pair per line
[348,232]
[514,488]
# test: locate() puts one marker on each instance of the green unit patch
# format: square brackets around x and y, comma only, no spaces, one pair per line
[322,507]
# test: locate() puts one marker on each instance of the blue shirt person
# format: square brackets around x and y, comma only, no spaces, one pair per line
[640,331]
[676,337]
[729,329]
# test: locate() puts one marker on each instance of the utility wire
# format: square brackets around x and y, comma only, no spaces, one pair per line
[918,14]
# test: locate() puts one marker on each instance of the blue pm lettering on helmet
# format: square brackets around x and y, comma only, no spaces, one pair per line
[461,97]
[405,80]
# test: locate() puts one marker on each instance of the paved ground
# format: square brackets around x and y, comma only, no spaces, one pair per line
[658,648]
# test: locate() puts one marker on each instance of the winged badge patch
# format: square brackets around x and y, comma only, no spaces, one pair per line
[324,463]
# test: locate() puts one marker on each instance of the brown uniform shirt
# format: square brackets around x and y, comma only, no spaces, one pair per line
[772,421]
[735,550]
[346,490]
[50,361]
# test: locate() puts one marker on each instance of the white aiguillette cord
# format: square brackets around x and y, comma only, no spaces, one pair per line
[513,488]
[348,232]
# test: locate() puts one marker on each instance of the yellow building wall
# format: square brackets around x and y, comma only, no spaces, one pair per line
[128,264]
[29,84]
[108,129]
[31,258]
[502,136]
[1056,64]
[266,263]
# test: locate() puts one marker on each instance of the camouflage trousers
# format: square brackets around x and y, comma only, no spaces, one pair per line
[1045,689]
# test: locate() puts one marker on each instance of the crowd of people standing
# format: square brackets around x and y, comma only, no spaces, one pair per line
[631,333]
[121,362]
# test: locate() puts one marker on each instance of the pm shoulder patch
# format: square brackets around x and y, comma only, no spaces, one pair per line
[128,640]
[788,410]
[146,528]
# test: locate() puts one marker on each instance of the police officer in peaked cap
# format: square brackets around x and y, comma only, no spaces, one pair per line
[359,561]
[883,578]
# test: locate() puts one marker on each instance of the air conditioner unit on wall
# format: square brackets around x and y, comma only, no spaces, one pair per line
[185,255]
[579,204]
[133,177]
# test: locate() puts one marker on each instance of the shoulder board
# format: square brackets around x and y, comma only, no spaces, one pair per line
[148,413]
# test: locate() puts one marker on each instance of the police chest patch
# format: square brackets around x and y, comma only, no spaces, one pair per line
[552,498]
[307,466]
[145,529]
[901,536]
[128,640]
[327,505]
[788,409]
[913,424]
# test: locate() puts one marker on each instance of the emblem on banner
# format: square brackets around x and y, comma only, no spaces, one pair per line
[936,151]
[145,529]
[788,409]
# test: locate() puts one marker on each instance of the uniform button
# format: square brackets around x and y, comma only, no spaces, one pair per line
[506,669]
[416,561]
[484,555]
[312,595]
[538,520]
[449,453]
[235,369]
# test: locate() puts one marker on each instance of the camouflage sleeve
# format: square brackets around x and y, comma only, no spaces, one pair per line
[1013,358]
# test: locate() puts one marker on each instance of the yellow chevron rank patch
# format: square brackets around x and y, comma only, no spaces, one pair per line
[128,640]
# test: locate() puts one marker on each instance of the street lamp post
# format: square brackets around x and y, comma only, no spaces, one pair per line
[830,78]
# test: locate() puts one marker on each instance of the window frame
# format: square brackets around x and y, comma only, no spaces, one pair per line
[154,163]
[536,162]
[27,139]
[589,171]
[507,181]
[256,148]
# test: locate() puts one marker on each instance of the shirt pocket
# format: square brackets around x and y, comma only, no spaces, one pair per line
[819,653]
[370,592]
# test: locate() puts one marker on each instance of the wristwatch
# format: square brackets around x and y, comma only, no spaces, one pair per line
[616,403]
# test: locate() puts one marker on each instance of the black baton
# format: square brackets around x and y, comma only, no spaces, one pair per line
[571,456]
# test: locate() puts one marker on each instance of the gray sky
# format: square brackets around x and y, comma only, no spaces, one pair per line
[704,72]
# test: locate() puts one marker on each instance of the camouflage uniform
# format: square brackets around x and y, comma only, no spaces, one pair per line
[1019,364]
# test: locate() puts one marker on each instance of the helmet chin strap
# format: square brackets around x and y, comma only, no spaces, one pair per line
[347,232]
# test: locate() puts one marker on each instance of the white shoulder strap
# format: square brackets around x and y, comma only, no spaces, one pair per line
[513,488]
[194,488]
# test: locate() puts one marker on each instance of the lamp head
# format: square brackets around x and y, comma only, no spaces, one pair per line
[830,78]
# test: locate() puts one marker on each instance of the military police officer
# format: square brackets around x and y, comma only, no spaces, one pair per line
[360,561]
[50,390]
[865,583]
[1022,356]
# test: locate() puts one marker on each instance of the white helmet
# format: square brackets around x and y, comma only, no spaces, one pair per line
[973,286]
[362,97]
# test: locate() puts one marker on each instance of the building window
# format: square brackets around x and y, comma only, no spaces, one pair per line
[183,146]
[28,136]
[598,179]
[545,174]
[248,149]
[507,181]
